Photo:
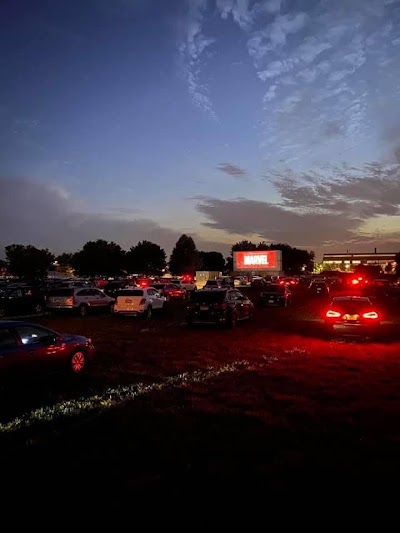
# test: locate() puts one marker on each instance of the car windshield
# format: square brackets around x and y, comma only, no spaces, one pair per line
[274,288]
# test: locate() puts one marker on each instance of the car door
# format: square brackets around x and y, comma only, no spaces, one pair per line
[11,355]
[98,298]
[38,346]
[155,300]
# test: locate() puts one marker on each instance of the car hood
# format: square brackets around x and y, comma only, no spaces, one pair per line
[68,337]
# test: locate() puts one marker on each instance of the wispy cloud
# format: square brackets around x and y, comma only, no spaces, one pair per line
[329,208]
[191,48]
[232,170]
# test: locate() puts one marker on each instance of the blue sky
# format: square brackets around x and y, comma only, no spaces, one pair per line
[272,120]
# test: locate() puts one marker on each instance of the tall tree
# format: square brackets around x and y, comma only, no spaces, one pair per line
[146,258]
[99,258]
[243,246]
[184,258]
[213,261]
[27,261]
[294,260]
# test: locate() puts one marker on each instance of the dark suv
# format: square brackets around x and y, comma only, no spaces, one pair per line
[276,294]
[17,300]
[219,306]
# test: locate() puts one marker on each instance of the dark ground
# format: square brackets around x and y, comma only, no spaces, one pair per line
[274,405]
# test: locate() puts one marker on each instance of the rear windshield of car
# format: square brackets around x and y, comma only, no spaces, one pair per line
[61,292]
[211,282]
[208,296]
[130,292]
[350,306]
[159,285]
[275,288]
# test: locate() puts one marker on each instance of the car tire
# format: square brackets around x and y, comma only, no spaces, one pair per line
[148,313]
[78,362]
[232,321]
[250,314]
[111,309]
[83,310]
[2,312]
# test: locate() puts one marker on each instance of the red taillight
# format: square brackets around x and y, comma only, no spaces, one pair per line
[142,301]
[370,315]
[355,281]
[333,314]
[221,306]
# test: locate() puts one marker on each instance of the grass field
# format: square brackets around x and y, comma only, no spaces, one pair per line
[270,404]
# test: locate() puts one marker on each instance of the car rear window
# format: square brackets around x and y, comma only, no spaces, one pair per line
[209,296]
[350,306]
[274,288]
[61,292]
[130,292]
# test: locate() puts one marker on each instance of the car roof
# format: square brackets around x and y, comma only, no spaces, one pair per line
[218,289]
[13,323]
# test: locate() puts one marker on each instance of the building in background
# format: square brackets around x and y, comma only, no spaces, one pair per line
[349,261]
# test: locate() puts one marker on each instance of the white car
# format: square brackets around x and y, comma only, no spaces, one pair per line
[138,301]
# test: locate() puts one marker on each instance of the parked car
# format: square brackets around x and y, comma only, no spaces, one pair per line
[170,291]
[219,306]
[17,300]
[27,346]
[81,300]
[140,301]
[276,294]
[258,283]
[213,284]
[352,314]
[112,287]
[318,288]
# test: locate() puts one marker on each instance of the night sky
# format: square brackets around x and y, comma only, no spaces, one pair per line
[274,120]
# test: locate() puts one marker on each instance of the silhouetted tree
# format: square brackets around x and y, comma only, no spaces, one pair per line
[294,260]
[229,264]
[65,260]
[184,258]
[28,262]
[242,246]
[212,261]
[397,259]
[146,257]
[99,258]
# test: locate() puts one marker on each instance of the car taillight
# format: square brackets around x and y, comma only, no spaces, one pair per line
[371,315]
[221,306]
[71,301]
[142,301]
[332,314]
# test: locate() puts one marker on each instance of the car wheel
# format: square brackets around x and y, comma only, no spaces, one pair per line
[2,312]
[149,312]
[83,310]
[251,314]
[39,308]
[232,323]
[111,308]
[78,362]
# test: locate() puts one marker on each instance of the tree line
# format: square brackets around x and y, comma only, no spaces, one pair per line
[103,258]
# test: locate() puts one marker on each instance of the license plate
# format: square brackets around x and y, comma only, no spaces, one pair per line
[204,308]
[128,301]
[271,300]
[351,317]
